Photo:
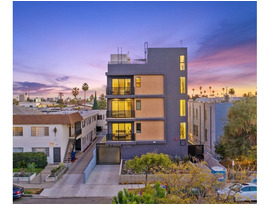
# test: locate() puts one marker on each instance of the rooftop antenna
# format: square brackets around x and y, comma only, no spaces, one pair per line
[145,49]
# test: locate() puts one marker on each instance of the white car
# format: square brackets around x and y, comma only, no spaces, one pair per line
[241,192]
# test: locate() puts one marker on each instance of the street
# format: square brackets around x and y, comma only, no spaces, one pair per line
[64,200]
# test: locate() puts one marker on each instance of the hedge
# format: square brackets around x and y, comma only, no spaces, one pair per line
[39,158]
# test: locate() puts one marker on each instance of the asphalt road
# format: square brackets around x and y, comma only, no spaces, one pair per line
[64,200]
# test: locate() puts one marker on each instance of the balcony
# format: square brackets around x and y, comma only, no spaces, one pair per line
[121,114]
[120,91]
[121,136]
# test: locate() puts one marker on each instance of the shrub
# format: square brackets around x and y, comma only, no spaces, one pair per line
[38,158]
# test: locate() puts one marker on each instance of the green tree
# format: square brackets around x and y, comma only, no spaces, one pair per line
[75,92]
[85,87]
[102,103]
[145,163]
[92,98]
[15,102]
[240,131]
[95,105]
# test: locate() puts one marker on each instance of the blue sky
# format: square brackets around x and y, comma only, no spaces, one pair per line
[60,45]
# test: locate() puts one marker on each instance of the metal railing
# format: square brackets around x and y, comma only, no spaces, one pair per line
[120,114]
[121,136]
[120,90]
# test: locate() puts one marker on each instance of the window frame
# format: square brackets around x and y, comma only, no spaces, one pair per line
[138,102]
[138,125]
[138,84]
[18,133]
[46,132]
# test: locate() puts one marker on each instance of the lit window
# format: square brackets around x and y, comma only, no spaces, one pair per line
[138,128]
[182,62]
[138,82]
[138,105]
[182,108]
[182,130]
[182,85]
[17,131]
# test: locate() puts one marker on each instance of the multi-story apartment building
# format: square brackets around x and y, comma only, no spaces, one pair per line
[206,119]
[56,133]
[146,103]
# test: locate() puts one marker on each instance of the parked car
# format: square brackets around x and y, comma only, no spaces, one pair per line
[241,192]
[18,191]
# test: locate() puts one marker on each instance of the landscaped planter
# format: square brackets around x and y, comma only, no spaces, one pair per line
[53,178]
[140,178]
[26,177]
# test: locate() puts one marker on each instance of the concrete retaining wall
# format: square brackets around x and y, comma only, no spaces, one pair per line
[90,167]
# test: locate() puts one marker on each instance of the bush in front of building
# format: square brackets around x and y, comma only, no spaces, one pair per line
[39,158]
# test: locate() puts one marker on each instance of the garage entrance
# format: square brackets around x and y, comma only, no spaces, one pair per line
[108,154]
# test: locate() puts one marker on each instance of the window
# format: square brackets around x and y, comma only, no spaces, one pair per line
[182,62]
[182,108]
[205,134]
[17,131]
[182,130]
[182,85]
[99,117]
[17,149]
[138,82]
[41,149]
[138,104]
[253,188]
[138,128]
[245,189]
[40,131]
[195,130]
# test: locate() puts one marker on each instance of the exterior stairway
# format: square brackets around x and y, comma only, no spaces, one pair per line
[67,158]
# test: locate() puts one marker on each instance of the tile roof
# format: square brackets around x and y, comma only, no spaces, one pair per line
[46,119]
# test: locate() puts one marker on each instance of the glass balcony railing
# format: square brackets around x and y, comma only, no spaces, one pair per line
[121,136]
[120,91]
[121,114]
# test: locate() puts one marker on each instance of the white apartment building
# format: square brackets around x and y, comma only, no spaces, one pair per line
[206,119]
[57,133]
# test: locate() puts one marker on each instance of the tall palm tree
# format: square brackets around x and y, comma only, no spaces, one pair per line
[75,92]
[193,91]
[85,87]
[231,92]
[204,92]
[210,90]
[223,91]
[201,90]
[213,93]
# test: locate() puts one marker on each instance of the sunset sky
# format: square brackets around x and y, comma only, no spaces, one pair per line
[61,45]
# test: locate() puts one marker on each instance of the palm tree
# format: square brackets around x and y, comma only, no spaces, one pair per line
[193,91]
[210,90]
[201,90]
[85,87]
[223,91]
[213,93]
[231,92]
[75,92]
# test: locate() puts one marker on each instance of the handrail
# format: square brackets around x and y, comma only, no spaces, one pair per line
[120,114]
[120,90]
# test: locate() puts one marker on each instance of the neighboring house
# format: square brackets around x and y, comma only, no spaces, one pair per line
[55,133]
[146,102]
[101,123]
[206,119]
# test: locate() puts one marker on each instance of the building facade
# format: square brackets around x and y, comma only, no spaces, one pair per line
[206,119]
[146,103]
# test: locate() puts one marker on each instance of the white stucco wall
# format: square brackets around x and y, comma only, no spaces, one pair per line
[27,142]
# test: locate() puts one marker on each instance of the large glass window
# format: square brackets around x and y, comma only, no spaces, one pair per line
[182,62]
[138,82]
[182,85]
[121,108]
[182,130]
[121,131]
[40,131]
[121,86]
[17,131]
[182,108]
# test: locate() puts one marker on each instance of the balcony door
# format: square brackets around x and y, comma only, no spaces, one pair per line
[121,131]
[121,108]
[121,86]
